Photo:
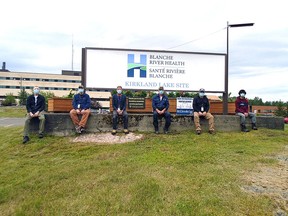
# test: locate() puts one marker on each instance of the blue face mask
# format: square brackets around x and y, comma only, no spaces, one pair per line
[119,91]
[36,91]
[161,92]
[201,94]
[80,91]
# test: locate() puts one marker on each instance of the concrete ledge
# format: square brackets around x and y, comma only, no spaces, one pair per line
[60,124]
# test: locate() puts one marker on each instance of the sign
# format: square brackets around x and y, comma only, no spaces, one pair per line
[104,68]
[136,103]
[184,106]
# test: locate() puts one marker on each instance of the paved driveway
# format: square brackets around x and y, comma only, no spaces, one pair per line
[10,122]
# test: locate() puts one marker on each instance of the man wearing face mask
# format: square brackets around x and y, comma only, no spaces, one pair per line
[201,108]
[160,105]
[241,110]
[119,109]
[81,106]
[35,106]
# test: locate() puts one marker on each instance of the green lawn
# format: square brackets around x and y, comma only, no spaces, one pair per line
[12,111]
[177,174]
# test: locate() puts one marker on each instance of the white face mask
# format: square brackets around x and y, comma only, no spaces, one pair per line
[201,94]
[242,95]
[161,92]
[36,91]
[119,91]
[80,91]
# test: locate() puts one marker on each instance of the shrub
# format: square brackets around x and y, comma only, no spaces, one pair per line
[9,100]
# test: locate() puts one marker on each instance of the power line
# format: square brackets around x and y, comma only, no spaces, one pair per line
[197,39]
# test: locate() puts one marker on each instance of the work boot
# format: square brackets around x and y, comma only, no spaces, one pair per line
[25,139]
[243,128]
[254,126]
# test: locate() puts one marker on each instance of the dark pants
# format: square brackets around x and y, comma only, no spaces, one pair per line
[167,117]
[115,119]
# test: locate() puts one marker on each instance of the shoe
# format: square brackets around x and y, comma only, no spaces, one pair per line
[78,129]
[114,132]
[254,126]
[156,132]
[212,132]
[165,131]
[198,132]
[41,135]
[243,128]
[25,139]
[126,131]
[82,129]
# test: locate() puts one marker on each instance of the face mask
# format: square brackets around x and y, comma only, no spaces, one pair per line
[161,92]
[201,94]
[242,95]
[119,91]
[36,91]
[80,91]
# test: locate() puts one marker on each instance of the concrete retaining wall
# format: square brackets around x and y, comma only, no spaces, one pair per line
[60,124]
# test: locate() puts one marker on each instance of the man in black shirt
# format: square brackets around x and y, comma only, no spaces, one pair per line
[201,108]
[35,106]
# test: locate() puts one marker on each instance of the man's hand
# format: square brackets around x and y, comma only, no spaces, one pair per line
[246,114]
[78,111]
[31,114]
[119,112]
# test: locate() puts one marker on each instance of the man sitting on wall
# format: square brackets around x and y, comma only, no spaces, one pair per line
[160,105]
[35,106]
[81,106]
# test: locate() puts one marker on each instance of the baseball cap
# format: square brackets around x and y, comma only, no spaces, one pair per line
[201,90]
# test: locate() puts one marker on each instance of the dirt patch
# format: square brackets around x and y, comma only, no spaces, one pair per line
[107,138]
[271,182]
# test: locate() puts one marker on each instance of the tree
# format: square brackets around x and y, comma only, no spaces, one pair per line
[282,109]
[22,95]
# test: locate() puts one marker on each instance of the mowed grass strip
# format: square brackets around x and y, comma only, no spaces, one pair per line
[176,174]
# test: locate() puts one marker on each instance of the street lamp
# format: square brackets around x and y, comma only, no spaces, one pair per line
[225,95]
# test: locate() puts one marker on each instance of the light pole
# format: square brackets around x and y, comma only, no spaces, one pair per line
[225,94]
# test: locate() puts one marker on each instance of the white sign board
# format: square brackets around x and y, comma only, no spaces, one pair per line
[147,70]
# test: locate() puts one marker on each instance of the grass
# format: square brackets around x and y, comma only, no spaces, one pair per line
[177,174]
[15,111]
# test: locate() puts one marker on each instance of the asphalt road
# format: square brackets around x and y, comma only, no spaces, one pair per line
[10,122]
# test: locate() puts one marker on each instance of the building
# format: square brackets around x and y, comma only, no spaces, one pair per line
[59,84]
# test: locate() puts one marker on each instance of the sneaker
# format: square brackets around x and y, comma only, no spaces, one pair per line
[82,129]
[41,135]
[78,129]
[114,132]
[165,131]
[25,139]
[156,131]
[212,132]
[198,132]
[126,131]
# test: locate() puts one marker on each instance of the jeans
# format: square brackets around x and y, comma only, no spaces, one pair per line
[115,119]
[167,117]
[251,115]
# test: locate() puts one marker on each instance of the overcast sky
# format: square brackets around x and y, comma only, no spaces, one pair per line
[37,36]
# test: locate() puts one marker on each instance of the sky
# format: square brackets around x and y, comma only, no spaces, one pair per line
[48,36]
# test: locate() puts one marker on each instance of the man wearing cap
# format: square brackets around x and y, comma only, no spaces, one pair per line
[81,106]
[201,108]
[160,105]
[241,110]
[119,109]
[35,106]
